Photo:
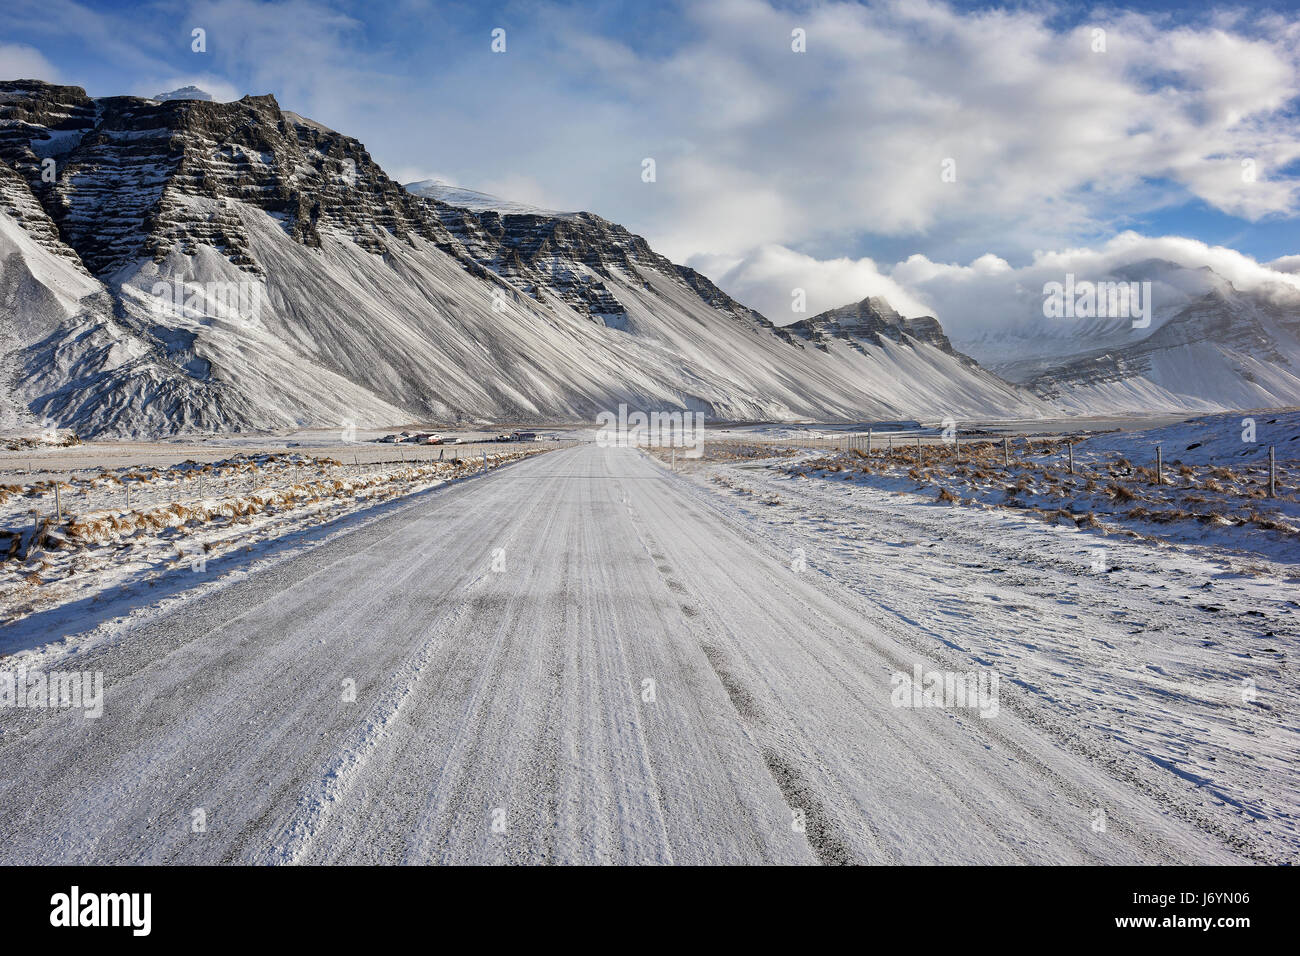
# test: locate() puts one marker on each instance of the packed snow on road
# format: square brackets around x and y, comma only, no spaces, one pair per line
[774,652]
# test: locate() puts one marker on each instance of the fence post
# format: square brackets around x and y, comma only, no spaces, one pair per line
[868,442]
[58,502]
[1006,452]
[1160,466]
[918,449]
[1070,447]
[1272,473]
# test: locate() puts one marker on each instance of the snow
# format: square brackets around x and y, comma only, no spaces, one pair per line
[1140,662]
[476,201]
[1226,351]
[133,531]
[185,93]
[1224,439]
[435,343]
[499,635]
[1213,490]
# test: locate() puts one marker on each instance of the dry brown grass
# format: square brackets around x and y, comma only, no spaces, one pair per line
[1266,522]
[1120,492]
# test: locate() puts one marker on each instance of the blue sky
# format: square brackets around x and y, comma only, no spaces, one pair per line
[768,161]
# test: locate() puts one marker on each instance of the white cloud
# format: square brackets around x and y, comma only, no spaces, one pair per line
[767,279]
[1051,140]
[989,306]
[987,297]
[18,61]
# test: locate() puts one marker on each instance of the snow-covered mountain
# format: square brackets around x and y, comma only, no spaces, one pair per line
[185,93]
[869,323]
[1018,348]
[190,265]
[1210,346]
[1225,350]
[476,201]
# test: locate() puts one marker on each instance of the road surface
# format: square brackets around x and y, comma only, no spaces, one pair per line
[573,659]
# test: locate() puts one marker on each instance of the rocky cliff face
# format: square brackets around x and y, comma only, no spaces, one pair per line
[870,322]
[374,303]
[126,169]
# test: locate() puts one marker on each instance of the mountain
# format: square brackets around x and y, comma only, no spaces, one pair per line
[185,93]
[185,265]
[1020,348]
[476,201]
[1226,350]
[870,323]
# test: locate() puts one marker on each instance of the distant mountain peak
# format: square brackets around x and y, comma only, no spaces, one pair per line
[870,321]
[476,201]
[185,93]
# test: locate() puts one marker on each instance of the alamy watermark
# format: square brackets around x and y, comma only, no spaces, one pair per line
[238,302]
[55,690]
[133,911]
[675,429]
[976,690]
[1100,300]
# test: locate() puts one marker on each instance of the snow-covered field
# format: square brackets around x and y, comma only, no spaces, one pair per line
[1209,486]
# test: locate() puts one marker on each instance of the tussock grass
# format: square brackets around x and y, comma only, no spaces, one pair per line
[1120,492]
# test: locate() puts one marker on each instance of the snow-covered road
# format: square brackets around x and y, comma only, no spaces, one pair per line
[581,657]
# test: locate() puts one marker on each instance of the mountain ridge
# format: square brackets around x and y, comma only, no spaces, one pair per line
[1226,349]
[376,305]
